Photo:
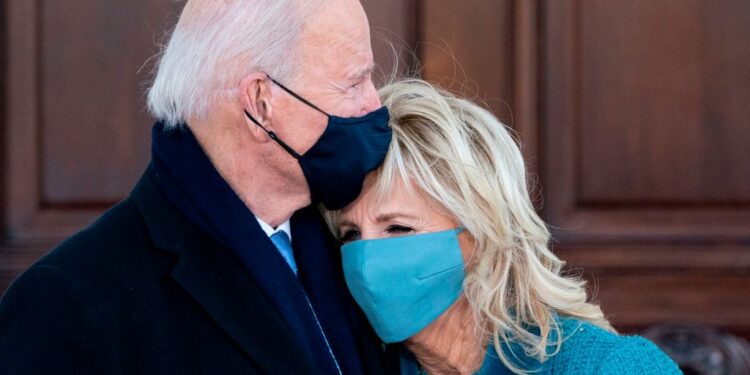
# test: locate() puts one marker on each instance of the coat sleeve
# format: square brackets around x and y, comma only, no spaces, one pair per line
[637,356]
[49,325]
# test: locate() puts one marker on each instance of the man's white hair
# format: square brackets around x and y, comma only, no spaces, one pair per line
[216,44]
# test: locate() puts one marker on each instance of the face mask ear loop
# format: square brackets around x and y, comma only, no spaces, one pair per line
[273,136]
[292,93]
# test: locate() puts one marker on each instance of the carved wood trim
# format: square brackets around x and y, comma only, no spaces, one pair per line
[525,82]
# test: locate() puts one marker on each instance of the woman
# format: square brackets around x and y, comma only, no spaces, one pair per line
[444,252]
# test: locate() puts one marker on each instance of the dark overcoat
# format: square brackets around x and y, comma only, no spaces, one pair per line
[144,291]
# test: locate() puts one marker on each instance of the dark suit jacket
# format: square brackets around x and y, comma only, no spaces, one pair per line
[143,291]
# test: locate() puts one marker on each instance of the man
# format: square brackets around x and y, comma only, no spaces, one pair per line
[219,262]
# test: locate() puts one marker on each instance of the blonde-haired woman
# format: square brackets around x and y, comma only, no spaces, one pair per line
[444,252]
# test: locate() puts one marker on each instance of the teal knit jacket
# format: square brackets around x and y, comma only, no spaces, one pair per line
[586,349]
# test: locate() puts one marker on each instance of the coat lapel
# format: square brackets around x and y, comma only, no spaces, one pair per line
[218,283]
[220,286]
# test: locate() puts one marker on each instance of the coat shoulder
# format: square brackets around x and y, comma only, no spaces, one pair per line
[106,259]
[589,349]
[116,240]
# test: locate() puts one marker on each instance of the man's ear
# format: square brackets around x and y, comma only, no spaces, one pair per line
[255,97]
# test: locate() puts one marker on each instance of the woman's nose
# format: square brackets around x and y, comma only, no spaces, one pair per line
[370,234]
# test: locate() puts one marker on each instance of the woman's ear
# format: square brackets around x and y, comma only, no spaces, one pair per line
[255,97]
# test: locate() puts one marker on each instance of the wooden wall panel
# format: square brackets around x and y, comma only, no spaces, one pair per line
[642,298]
[75,128]
[645,160]
[393,30]
[3,93]
[453,29]
[486,50]
[663,102]
[93,129]
[616,149]
[76,119]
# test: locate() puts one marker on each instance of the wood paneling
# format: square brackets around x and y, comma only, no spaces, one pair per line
[75,129]
[78,130]
[393,30]
[94,133]
[639,148]
[3,140]
[646,298]
[453,29]
[646,166]
[486,50]
[662,102]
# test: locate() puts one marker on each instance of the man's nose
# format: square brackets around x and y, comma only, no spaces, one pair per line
[371,98]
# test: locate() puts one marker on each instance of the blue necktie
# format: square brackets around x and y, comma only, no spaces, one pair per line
[281,240]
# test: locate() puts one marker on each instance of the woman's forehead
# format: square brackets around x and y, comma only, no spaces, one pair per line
[382,201]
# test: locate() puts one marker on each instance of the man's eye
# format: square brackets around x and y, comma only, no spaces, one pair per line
[399,229]
[357,83]
[350,235]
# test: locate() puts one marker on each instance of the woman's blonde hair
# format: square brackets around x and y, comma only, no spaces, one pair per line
[465,159]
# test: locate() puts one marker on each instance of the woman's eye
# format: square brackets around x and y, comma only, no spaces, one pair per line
[399,229]
[350,235]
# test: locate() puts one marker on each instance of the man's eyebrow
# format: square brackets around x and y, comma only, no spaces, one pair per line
[363,72]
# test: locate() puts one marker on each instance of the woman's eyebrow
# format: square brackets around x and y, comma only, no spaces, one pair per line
[388,216]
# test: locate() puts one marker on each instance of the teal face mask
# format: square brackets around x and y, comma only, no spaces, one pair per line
[404,283]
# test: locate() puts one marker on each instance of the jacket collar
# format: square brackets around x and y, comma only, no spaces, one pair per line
[217,281]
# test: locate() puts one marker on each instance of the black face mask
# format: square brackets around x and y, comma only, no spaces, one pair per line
[336,165]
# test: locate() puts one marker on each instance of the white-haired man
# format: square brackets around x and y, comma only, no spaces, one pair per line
[219,262]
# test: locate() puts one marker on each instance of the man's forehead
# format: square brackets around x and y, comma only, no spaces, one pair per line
[338,22]
[341,46]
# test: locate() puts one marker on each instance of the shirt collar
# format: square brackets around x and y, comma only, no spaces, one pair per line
[285,227]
